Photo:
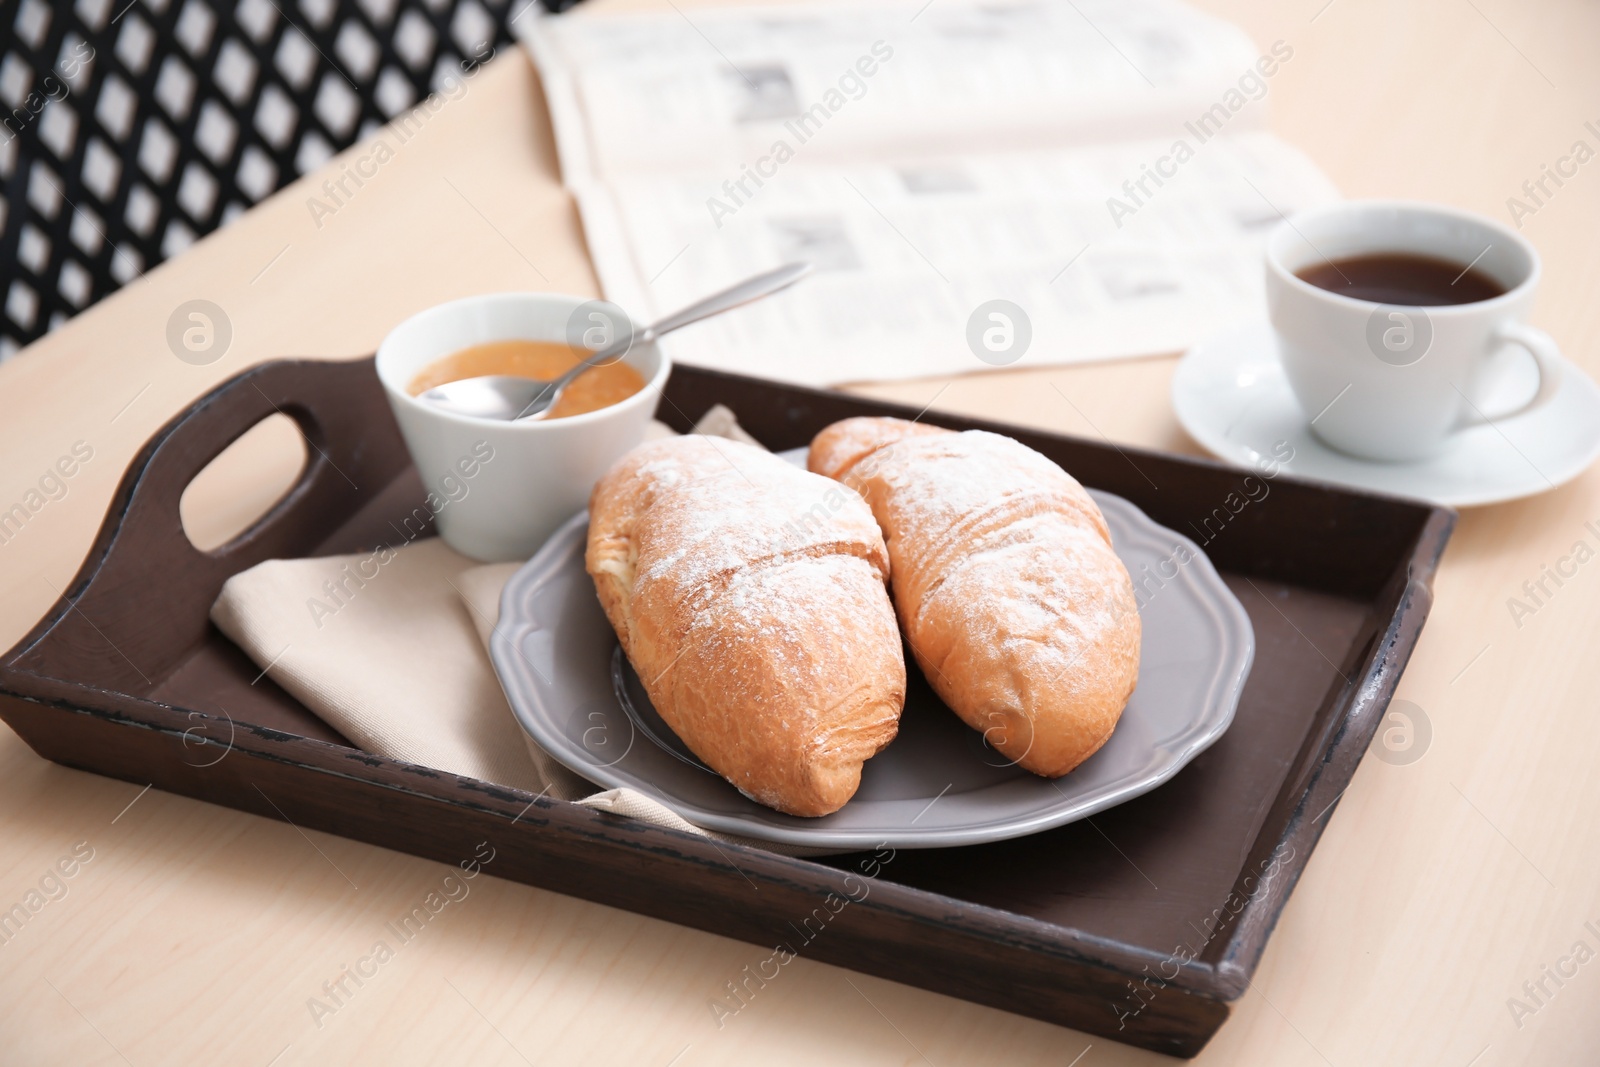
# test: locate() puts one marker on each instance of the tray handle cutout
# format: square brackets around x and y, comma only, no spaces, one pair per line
[353,452]
[193,441]
[235,492]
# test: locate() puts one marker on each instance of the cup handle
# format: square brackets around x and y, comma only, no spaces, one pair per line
[1546,357]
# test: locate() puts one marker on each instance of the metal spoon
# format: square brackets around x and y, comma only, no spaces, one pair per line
[509,397]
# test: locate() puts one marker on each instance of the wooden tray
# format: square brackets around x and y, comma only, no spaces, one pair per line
[1142,924]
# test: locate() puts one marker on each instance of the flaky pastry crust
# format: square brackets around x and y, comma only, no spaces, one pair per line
[1020,614]
[750,598]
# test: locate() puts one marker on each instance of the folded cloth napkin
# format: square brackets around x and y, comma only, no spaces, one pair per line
[389,648]
[380,647]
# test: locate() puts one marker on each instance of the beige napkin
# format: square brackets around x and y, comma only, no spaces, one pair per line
[389,648]
[380,647]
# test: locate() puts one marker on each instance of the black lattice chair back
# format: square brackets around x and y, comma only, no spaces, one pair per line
[132,127]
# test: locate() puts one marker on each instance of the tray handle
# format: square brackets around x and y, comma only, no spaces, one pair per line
[331,403]
[353,451]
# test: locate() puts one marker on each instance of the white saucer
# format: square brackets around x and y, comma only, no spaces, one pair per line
[1231,395]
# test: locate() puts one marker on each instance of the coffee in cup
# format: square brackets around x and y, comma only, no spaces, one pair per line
[1392,317]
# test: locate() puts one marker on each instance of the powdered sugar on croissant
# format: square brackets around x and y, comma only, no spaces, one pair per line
[769,646]
[1005,584]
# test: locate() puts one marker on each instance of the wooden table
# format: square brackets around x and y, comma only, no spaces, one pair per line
[198,934]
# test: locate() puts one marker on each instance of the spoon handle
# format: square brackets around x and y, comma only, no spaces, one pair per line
[743,293]
[734,296]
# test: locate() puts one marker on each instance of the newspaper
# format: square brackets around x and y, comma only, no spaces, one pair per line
[1098,166]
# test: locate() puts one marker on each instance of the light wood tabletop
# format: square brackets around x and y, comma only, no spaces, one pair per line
[1444,893]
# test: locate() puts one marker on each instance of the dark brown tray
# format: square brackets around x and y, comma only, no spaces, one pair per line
[1142,924]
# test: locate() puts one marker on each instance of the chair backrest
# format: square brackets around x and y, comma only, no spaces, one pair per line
[128,128]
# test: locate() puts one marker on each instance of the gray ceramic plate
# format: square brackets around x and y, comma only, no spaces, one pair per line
[937,784]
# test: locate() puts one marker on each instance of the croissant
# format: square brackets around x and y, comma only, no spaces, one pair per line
[1006,586]
[769,647]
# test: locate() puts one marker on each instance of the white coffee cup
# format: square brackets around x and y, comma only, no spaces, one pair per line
[1397,382]
[499,489]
